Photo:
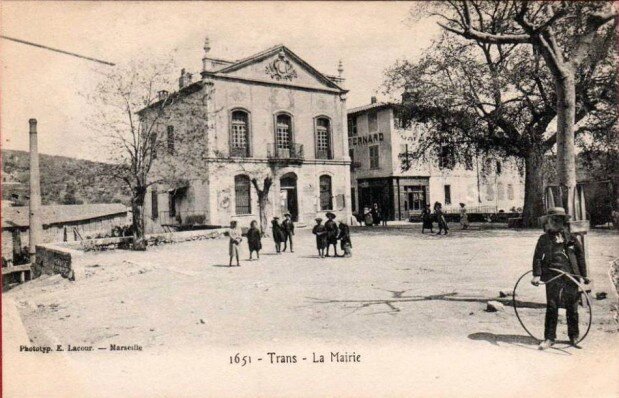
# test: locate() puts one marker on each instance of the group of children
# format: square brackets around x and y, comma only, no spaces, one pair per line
[428,218]
[254,241]
[326,235]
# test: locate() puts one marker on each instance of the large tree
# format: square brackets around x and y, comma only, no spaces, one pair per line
[570,37]
[132,115]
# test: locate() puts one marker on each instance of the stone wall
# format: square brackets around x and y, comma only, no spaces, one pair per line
[66,258]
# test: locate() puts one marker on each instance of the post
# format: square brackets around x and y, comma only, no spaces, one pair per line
[35,193]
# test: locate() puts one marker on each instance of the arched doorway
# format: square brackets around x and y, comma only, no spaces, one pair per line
[288,195]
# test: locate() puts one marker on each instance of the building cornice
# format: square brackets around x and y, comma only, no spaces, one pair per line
[216,76]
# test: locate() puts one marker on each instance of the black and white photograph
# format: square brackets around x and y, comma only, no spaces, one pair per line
[309,199]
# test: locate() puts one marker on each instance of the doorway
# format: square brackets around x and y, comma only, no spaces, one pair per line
[288,195]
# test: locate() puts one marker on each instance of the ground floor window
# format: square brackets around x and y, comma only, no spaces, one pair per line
[416,197]
[326,196]
[447,194]
[242,194]
[154,204]
[353,199]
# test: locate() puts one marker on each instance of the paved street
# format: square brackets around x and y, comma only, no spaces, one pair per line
[399,288]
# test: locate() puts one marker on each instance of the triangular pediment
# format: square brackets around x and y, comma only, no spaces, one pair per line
[279,65]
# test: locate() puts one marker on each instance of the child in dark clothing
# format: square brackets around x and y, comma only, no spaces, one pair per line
[254,240]
[278,234]
[321,237]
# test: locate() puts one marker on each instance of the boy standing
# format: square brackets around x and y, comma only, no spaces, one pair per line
[558,249]
[235,239]
[288,228]
[321,237]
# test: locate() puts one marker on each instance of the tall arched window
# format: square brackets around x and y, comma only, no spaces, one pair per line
[323,138]
[242,194]
[326,196]
[283,131]
[239,134]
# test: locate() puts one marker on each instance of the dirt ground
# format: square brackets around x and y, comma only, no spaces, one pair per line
[401,292]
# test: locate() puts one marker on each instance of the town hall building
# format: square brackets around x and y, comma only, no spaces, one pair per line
[270,114]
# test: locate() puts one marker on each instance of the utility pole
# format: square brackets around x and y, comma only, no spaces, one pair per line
[34,212]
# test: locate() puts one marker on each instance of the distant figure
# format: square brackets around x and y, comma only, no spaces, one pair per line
[440,218]
[254,240]
[321,237]
[426,218]
[383,215]
[367,217]
[235,240]
[464,218]
[288,228]
[331,228]
[376,216]
[344,237]
[278,234]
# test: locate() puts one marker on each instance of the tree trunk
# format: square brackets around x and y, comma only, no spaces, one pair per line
[533,188]
[137,207]
[566,116]
[262,211]
[263,200]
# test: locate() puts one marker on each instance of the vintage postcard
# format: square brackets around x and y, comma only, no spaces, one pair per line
[309,199]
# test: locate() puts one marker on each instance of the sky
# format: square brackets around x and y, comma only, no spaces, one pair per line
[35,83]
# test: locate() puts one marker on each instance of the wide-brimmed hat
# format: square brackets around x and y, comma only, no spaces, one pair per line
[318,219]
[276,218]
[330,215]
[287,215]
[557,212]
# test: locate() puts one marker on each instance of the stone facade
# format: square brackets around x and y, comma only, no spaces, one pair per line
[268,115]
[488,185]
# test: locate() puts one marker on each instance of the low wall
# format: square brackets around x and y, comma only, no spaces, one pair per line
[66,258]
[56,259]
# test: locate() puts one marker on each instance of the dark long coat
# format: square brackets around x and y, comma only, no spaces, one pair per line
[254,239]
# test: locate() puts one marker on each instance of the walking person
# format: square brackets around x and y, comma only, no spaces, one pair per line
[278,234]
[558,249]
[344,237]
[440,218]
[254,240]
[331,228]
[235,234]
[321,237]
[288,228]
[426,218]
[464,218]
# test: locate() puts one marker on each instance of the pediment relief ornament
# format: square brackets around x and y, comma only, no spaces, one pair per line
[281,68]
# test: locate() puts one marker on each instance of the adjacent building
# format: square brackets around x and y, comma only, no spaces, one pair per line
[269,115]
[381,173]
[59,223]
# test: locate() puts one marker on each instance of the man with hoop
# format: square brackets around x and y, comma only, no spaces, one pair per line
[559,249]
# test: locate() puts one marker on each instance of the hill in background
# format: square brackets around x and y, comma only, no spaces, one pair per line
[64,180]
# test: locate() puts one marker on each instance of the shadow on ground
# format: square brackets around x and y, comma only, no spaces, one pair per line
[398,297]
[495,339]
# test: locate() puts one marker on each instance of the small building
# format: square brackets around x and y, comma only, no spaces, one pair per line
[270,114]
[60,223]
[378,143]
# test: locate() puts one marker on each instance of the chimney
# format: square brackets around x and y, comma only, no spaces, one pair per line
[162,94]
[373,100]
[34,213]
[185,79]
[207,65]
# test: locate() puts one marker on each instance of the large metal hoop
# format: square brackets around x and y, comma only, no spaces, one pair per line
[580,286]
